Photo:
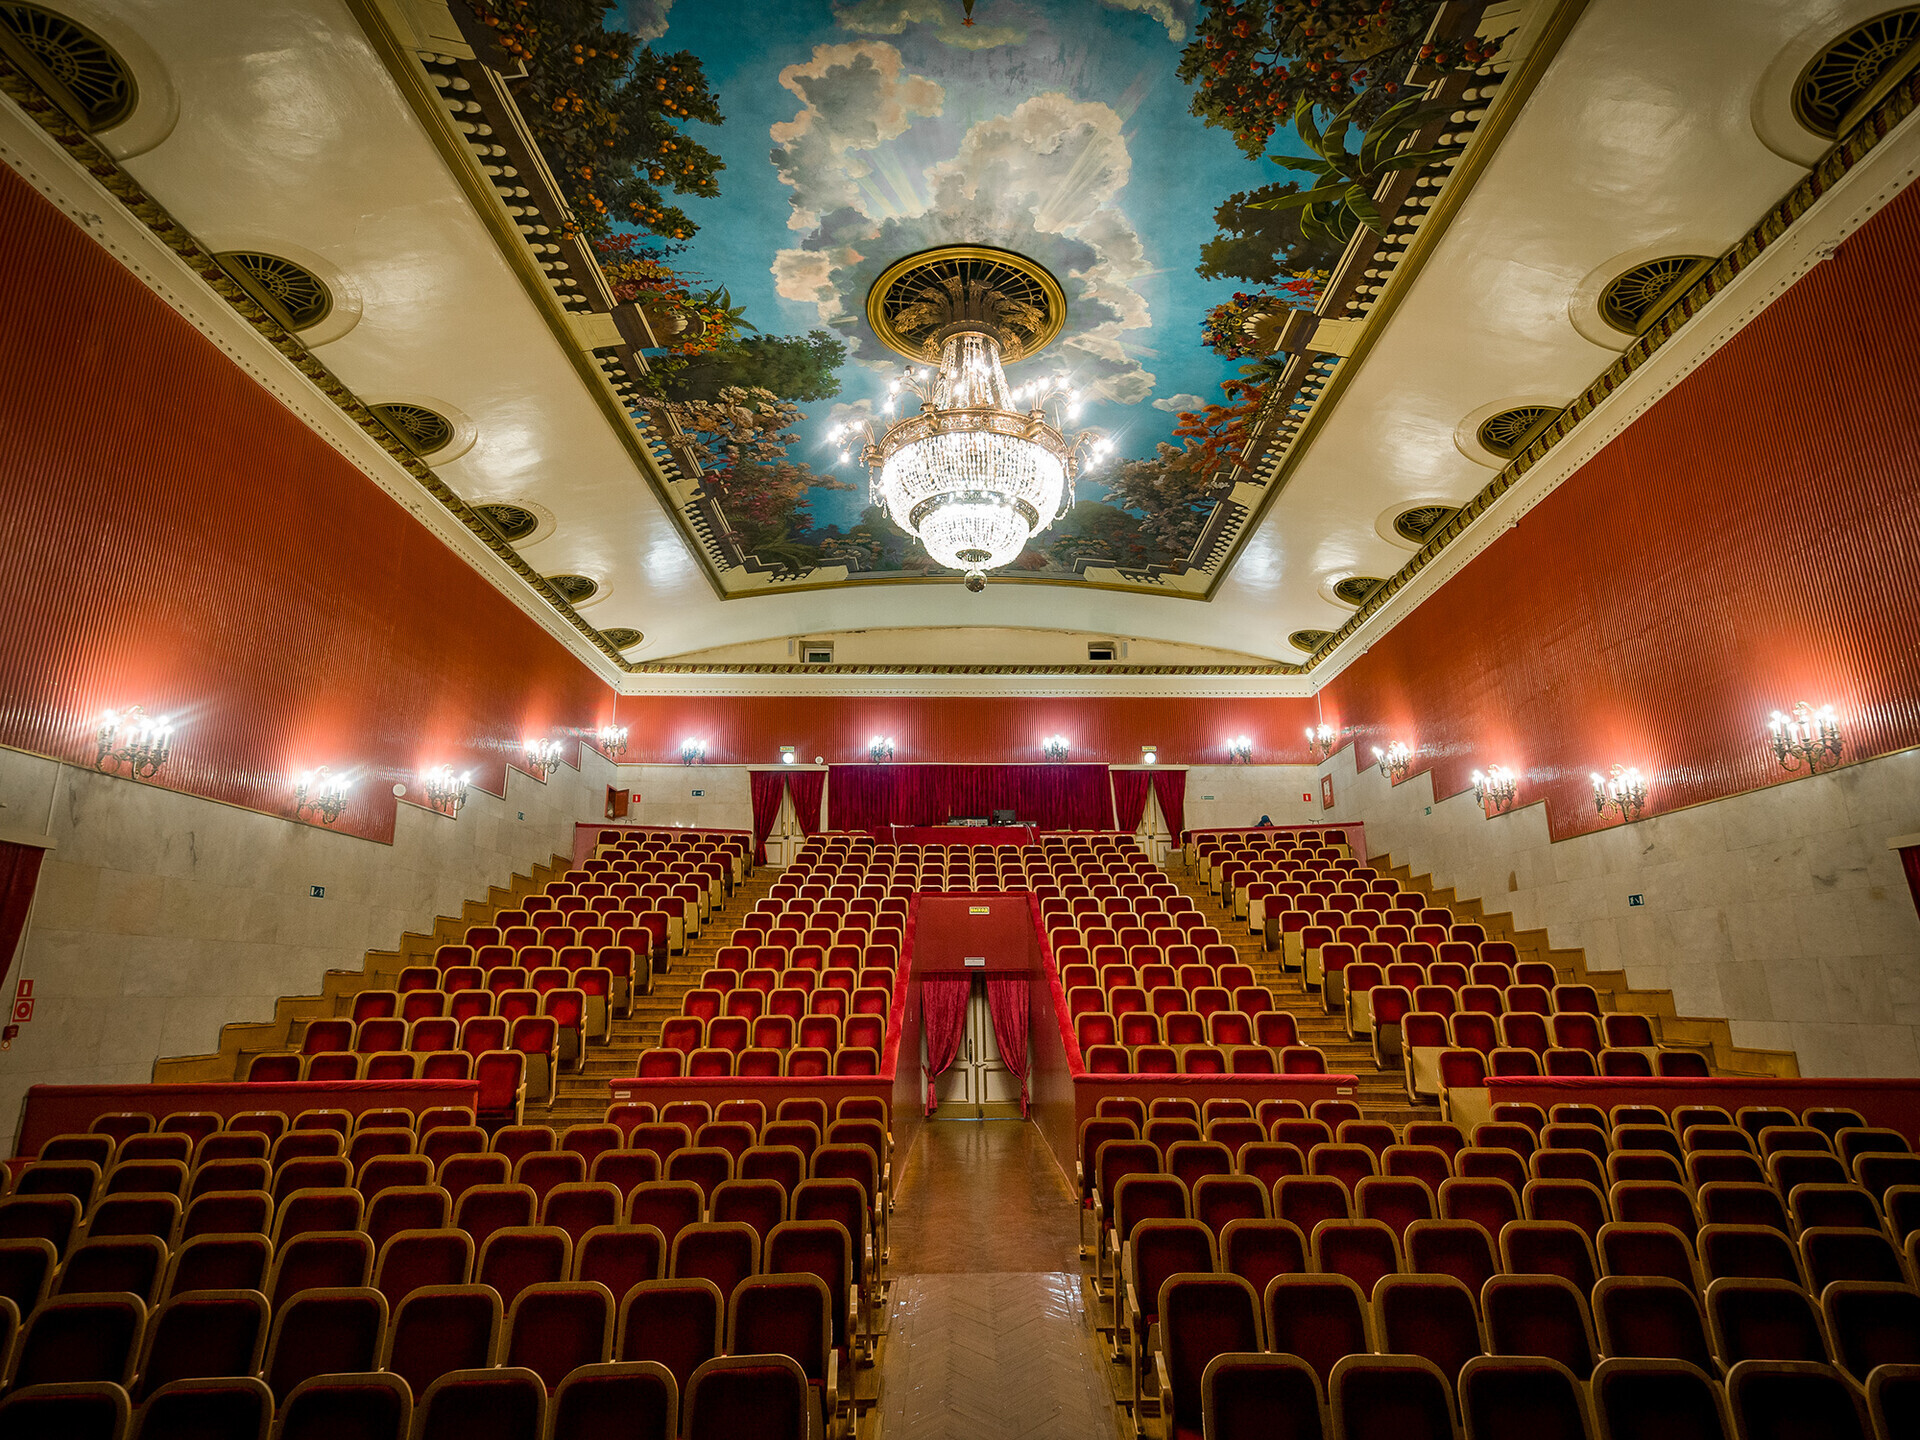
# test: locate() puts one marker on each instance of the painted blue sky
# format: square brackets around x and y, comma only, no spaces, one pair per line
[859,131]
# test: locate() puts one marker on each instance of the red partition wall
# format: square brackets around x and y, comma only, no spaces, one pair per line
[1750,541]
[181,541]
[749,730]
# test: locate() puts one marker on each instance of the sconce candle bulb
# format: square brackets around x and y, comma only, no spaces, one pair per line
[1320,740]
[1622,790]
[692,751]
[613,740]
[880,748]
[544,756]
[1496,788]
[1394,761]
[1055,747]
[322,793]
[1240,750]
[446,791]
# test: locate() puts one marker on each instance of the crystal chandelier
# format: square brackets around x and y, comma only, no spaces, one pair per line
[981,467]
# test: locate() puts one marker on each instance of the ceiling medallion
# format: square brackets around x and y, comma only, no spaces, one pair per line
[1355,589]
[95,79]
[1634,300]
[1509,432]
[979,468]
[1846,72]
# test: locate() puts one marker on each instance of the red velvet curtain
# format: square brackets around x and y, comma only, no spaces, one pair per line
[806,786]
[943,1010]
[19,872]
[1130,798]
[766,787]
[1007,1000]
[1170,789]
[1909,861]
[1054,797]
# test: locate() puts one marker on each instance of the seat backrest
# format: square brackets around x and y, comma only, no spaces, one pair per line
[1391,1397]
[1537,1395]
[1202,1316]
[1650,1317]
[759,1395]
[1670,1398]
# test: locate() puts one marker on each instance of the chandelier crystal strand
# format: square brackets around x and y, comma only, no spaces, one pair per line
[971,475]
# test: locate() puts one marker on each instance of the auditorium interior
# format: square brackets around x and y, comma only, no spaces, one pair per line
[554,885]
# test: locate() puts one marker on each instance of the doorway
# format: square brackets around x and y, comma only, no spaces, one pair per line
[978,1085]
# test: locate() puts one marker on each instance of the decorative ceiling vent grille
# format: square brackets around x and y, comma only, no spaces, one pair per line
[622,638]
[514,522]
[424,431]
[1508,433]
[1633,301]
[1309,640]
[574,588]
[1845,72]
[296,297]
[96,81]
[1421,521]
[918,299]
[1355,589]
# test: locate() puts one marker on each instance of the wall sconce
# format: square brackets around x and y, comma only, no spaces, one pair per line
[544,756]
[135,739]
[1320,740]
[1055,748]
[880,748]
[787,755]
[1394,761]
[446,791]
[613,740]
[320,792]
[1807,737]
[1240,750]
[693,752]
[1621,790]
[1149,754]
[1496,788]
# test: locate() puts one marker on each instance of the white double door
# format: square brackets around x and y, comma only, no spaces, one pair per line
[978,1077]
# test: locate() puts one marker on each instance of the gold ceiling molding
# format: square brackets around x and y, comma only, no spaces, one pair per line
[1895,107]
[81,147]
[788,667]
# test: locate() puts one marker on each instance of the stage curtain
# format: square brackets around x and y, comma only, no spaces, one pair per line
[1170,789]
[943,1010]
[19,872]
[1054,797]
[766,787]
[1130,798]
[1909,861]
[806,786]
[1007,1001]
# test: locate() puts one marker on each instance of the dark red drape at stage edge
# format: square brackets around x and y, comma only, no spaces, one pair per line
[1170,789]
[19,871]
[1007,1000]
[806,786]
[1130,798]
[766,787]
[1053,797]
[943,1010]
[1909,861]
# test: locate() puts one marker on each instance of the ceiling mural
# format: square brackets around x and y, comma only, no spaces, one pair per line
[775,158]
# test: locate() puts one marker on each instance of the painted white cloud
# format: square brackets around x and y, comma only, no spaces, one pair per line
[1180,404]
[855,98]
[1174,14]
[645,18]
[891,17]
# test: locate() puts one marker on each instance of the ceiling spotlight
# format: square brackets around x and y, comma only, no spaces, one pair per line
[544,756]
[1623,791]
[613,740]
[1055,747]
[1496,788]
[135,739]
[1807,737]
[1320,740]
[321,792]
[1394,761]
[446,791]
[1240,748]
[880,748]
[693,752]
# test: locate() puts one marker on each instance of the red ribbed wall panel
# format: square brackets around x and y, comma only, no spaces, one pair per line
[175,538]
[1007,730]
[1753,540]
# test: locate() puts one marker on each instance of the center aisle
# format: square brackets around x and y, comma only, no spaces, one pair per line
[987,1330]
